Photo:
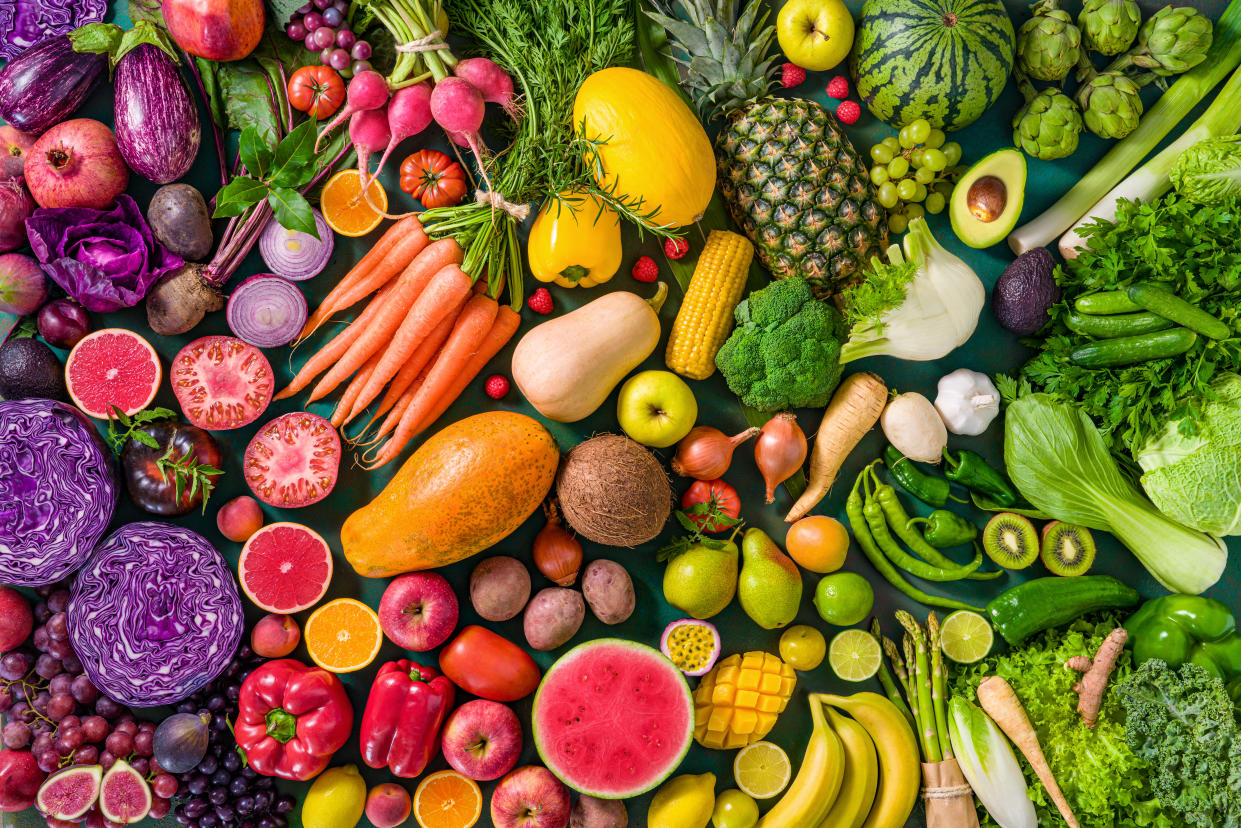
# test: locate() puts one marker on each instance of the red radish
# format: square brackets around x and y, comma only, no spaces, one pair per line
[491,81]
[15,207]
[409,113]
[76,164]
[368,132]
[23,287]
[14,147]
[457,106]
[368,90]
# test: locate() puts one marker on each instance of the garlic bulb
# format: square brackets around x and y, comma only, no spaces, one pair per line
[967,401]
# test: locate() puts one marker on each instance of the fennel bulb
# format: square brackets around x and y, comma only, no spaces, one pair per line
[989,765]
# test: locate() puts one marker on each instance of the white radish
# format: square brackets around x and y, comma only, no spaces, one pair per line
[914,428]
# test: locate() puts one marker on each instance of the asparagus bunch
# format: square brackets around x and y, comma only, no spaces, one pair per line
[919,669]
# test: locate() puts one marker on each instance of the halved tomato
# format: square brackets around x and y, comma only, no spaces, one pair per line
[293,460]
[222,382]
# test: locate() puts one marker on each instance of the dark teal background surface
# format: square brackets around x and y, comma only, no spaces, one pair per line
[991,350]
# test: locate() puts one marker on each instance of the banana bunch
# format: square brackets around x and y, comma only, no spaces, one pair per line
[859,770]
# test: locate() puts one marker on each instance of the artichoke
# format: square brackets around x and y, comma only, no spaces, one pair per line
[1109,26]
[1111,105]
[1049,44]
[1049,124]
[1172,41]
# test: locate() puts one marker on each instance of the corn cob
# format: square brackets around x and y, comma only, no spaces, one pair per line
[706,315]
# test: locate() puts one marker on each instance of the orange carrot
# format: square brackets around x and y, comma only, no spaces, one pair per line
[395,249]
[354,389]
[336,348]
[379,333]
[402,405]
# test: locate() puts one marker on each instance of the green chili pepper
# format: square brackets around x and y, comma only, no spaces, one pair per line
[945,529]
[930,489]
[877,515]
[970,470]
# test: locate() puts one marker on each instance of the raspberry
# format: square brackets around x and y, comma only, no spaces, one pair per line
[838,88]
[645,269]
[675,248]
[791,75]
[848,112]
[540,301]
[497,386]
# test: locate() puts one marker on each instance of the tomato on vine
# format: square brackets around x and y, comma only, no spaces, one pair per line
[316,90]
[712,505]
[433,178]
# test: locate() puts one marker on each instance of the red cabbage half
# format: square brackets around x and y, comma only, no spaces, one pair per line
[154,614]
[58,489]
[24,23]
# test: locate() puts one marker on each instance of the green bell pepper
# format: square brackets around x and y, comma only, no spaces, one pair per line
[1180,629]
[970,470]
[944,529]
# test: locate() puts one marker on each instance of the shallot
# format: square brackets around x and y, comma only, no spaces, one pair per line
[779,451]
[706,453]
[557,553]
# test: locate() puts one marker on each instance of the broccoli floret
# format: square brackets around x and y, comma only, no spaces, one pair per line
[785,349]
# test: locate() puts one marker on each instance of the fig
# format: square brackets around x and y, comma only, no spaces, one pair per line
[124,796]
[181,741]
[70,793]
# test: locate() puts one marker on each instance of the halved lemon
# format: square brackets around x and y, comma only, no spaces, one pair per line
[762,770]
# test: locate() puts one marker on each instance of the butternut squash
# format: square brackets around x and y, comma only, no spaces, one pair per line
[567,366]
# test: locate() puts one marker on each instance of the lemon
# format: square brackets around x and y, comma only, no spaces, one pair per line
[734,809]
[336,799]
[966,637]
[802,647]
[855,655]
[684,801]
[762,770]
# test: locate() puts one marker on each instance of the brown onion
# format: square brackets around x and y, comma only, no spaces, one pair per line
[779,451]
[706,453]
[557,554]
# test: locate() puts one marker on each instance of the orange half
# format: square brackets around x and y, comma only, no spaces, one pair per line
[346,210]
[448,800]
[343,635]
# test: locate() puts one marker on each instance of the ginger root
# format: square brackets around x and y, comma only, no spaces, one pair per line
[1095,673]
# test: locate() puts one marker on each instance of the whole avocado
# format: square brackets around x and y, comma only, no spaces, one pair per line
[29,368]
[1025,291]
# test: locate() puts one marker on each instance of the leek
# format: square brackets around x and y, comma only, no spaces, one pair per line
[1188,90]
[989,765]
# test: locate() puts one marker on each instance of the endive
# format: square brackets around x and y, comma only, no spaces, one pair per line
[989,765]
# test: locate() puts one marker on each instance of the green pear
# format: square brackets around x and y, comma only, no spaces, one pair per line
[770,586]
[702,580]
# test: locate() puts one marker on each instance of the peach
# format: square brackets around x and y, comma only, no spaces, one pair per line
[388,805]
[240,518]
[275,636]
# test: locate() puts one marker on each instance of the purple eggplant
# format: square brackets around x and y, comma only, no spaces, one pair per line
[47,83]
[157,126]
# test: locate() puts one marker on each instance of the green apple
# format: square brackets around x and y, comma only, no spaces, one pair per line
[815,34]
[656,408]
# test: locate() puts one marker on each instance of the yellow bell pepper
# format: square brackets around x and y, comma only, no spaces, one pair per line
[575,241]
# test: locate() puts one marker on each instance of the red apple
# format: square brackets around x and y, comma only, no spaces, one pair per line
[482,739]
[530,797]
[418,611]
[217,30]
[20,779]
[16,620]
[388,805]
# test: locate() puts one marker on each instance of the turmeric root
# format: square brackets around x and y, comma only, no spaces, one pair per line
[1095,673]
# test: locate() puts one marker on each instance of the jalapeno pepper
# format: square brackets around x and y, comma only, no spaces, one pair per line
[1187,628]
[930,489]
[970,470]
[945,529]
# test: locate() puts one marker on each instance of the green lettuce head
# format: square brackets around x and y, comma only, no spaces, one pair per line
[1195,478]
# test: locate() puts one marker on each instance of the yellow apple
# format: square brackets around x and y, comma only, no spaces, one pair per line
[815,34]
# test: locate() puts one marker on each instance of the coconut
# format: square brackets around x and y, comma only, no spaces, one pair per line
[613,491]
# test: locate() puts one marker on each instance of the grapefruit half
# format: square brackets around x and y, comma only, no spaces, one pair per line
[112,367]
[285,567]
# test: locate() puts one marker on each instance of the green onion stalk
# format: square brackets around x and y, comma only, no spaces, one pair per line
[1091,194]
[419,28]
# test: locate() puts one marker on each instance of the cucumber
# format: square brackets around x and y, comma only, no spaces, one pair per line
[1126,350]
[1109,301]
[1170,306]
[1031,607]
[1121,324]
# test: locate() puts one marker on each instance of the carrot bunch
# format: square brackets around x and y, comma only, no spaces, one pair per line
[424,336]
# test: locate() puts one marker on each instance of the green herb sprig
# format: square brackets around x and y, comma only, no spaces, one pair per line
[185,469]
[133,426]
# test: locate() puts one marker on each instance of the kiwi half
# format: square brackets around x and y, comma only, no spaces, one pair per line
[1011,541]
[1067,549]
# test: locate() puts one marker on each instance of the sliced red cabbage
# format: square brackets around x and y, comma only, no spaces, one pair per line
[295,255]
[24,23]
[154,614]
[266,311]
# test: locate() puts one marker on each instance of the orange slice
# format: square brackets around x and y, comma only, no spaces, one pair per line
[447,800]
[344,208]
[343,635]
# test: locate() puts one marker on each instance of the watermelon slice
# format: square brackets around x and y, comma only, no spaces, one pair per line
[112,367]
[285,567]
[613,718]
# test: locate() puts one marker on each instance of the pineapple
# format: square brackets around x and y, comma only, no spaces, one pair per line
[788,174]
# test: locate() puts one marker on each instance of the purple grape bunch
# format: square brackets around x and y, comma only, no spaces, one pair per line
[323,26]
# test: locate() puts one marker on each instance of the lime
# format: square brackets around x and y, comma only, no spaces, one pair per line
[966,637]
[802,647]
[762,770]
[854,655]
[734,809]
[844,598]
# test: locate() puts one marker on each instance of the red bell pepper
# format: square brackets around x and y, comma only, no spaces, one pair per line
[291,718]
[401,723]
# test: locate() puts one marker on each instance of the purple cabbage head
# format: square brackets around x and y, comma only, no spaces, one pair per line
[24,23]
[154,614]
[105,259]
[58,489]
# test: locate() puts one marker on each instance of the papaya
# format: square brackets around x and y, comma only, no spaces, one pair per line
[464,490]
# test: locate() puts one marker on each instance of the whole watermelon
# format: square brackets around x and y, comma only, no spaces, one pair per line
[943,60]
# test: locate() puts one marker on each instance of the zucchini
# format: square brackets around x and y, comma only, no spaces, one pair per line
[1110,327]
[1108,301]
[1126,350]
[1170,306]
[1031,607]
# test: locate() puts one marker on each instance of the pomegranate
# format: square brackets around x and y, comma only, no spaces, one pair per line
[76,164]
[14,146]
[215,29]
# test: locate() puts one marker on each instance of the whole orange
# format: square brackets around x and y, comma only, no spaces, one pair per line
[818,543]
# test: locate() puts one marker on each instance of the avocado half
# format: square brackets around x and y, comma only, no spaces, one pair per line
[986,202]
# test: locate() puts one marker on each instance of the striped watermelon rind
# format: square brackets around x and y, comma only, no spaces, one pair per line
[943,60]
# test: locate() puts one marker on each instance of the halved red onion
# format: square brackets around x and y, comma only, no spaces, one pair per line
[266,311]
[296,255]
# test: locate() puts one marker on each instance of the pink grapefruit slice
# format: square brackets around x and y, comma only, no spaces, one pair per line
[112,367]
[285,567]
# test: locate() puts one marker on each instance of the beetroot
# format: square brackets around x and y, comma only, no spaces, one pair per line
[15,207]
[76,164]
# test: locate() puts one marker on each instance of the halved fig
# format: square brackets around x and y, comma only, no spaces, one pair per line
[70,793]
[124,796]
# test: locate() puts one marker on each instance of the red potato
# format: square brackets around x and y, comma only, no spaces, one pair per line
[553,616]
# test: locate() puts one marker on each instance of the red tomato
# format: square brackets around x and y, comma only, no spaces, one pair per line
[433,178]
[489,666]
[316,90]
[723,496]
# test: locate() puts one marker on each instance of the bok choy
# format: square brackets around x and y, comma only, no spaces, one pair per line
[989,765]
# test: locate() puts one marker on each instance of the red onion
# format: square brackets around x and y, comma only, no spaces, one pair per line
[63,323]
[76,164]
[23,287]
[266,311]
[16,206]
[295,255]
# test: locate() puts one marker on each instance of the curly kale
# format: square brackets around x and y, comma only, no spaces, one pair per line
[785,350]
[1182,722]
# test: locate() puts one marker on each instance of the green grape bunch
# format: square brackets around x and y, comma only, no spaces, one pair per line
[913,172]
